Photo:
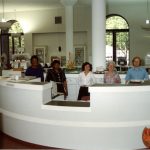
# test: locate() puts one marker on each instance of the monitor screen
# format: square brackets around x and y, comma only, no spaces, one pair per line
[122,61]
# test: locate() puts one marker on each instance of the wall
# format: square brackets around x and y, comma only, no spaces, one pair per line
[39,25]
[135,14]
[40,29]
[54,40]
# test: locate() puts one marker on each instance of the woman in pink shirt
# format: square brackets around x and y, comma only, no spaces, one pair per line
[111,76]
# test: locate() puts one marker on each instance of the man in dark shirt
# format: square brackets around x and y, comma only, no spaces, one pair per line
[35,69]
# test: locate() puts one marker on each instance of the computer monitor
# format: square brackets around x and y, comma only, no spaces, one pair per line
[122,61]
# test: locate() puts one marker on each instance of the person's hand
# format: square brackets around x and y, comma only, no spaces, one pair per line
[65,89]
[66,92]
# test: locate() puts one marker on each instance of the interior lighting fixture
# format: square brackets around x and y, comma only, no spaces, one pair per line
[147,8]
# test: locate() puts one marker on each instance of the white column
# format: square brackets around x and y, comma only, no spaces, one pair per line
[98,33]
[69,28]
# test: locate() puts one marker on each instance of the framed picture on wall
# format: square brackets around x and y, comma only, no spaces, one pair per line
[40,51]
[80,54]
[63,61]
[54,58]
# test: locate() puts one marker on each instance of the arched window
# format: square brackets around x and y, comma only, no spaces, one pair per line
[11,38]
[117,39]
[16,38]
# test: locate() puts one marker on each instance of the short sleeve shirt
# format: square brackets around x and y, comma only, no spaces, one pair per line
[138,73]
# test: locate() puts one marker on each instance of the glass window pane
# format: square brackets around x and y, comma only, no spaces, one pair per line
[117,39]
[109,47]
[116,22]
[122,46]
[16,40]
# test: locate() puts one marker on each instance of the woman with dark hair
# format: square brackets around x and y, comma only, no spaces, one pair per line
[35,69]
[56,74]
[86,78]
[137,72]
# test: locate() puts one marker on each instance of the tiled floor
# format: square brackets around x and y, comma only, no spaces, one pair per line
[7,142]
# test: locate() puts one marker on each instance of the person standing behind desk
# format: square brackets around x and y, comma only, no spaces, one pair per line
[57,75]
[111,76]
[137,72]
[86,78]
[35,69]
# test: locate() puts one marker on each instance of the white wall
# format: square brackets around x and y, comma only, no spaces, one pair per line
[53,40]
[40,29]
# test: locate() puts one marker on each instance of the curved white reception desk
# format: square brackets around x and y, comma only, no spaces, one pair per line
[115,119]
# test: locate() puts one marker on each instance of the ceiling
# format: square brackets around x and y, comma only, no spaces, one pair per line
[27,5]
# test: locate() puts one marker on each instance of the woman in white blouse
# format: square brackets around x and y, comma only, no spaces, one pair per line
[86,78]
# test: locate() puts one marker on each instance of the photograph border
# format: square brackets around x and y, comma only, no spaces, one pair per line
[42,54]
[80,54]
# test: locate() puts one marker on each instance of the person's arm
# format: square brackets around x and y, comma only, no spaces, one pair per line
[117,78]
[48,76]
[65,88]
[64,83]
[104,77]
[127,78]
[146,75]
[42,75]
[27,73]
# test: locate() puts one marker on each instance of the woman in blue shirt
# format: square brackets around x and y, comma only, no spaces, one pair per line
[35,69]
[136,72]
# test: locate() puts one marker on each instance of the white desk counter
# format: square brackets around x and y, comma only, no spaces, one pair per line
[114,120]
[73,84]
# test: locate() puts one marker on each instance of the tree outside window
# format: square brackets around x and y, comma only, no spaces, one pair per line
[16,38]
[117,39]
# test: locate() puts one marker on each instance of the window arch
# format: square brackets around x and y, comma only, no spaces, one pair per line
[117,39]
[10,39]
[16,38]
